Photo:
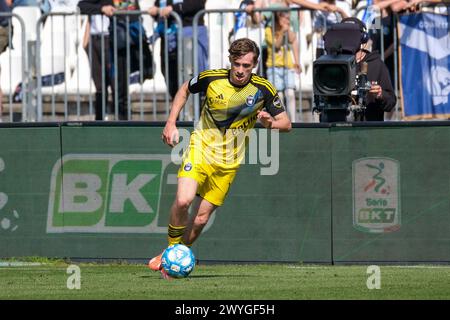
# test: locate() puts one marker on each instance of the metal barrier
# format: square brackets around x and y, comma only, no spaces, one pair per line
[374,16]
[56,82]
[6,77]
[72,90]
[377,24]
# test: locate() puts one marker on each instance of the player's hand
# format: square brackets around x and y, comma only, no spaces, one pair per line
[265,118]
[170,135]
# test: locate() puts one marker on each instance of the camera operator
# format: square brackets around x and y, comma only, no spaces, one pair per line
[381,97]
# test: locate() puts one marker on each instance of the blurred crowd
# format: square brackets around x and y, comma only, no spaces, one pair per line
[275,31]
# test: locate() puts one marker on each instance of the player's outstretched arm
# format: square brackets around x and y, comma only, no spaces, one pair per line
[280,121]
[170,133]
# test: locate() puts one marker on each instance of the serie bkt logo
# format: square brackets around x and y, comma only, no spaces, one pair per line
[376,194]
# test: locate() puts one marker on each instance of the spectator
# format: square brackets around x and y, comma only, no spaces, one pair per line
[249,24]
[281,68]
[267,19]
[296,14]
[117,33]
[387,24]
[97,48]
[414,5]
[189,10]
[287,3]
[56,5]
[323,19]
[5,39]
[186,9]
[267,15]
[311,5]
[388,9]
[5,25]
[161,12]
[243,20]
[44,5]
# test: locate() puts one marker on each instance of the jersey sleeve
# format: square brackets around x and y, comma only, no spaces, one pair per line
[199,83]
[273,104]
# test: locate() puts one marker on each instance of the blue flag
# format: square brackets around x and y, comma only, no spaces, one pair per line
[425,66]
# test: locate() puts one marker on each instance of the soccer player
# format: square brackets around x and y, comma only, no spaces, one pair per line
[235,99]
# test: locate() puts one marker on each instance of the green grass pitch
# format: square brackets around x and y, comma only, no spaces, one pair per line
[49,280]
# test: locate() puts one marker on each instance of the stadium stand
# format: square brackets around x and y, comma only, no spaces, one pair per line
[62,55]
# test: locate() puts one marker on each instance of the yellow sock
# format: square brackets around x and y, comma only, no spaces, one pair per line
[175,234]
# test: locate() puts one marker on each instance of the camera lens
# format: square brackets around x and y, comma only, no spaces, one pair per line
[332,78]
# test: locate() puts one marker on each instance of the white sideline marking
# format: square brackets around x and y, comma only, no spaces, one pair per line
[306,267]
[19,264]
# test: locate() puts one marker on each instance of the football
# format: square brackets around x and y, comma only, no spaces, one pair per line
[178,261]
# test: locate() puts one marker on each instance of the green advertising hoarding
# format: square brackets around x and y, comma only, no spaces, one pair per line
[391,193]
[322,193]
[106,192]
[26,157]
[112,193]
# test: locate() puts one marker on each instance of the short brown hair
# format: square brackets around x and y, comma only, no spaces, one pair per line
[241,47]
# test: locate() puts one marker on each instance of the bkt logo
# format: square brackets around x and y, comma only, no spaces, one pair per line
[107,193]
[376,194]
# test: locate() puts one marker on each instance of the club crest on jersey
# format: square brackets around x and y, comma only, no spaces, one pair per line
[188,166]
[250,100]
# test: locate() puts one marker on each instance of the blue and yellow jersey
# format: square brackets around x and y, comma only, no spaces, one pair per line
[228,113]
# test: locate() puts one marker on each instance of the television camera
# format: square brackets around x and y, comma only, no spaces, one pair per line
[339,89]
